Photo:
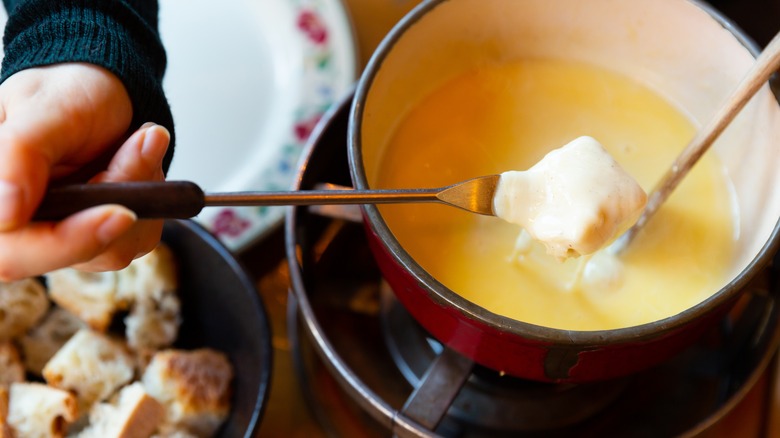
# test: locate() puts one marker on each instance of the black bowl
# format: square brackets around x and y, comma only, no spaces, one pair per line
[221,309]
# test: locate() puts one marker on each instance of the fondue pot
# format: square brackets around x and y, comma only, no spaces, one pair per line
[683,49]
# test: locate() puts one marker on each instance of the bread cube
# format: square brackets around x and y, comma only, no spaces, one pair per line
[134,414]
[153,324]
[91,365]
[89,295]
[148,287]
[148,277]
[41,343]
[22,304]
[36,410]
[194,386]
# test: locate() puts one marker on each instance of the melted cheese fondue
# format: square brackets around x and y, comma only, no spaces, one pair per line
[509,116]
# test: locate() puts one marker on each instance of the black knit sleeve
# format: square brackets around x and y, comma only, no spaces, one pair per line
[119,35]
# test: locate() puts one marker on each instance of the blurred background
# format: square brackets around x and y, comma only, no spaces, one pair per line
[759,18]
[373,18]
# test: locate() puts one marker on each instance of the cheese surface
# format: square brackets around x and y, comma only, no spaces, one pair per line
[509,116]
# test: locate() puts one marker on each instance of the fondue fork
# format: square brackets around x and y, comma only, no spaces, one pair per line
[766,64]
[185,199]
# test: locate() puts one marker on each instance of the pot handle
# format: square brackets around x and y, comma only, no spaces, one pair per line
[148,200]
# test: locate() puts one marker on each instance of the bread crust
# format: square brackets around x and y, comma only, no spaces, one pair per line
[5,428]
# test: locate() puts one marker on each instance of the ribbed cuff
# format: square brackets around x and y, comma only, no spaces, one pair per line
[118,35]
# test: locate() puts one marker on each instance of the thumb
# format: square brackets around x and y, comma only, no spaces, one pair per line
[24,174]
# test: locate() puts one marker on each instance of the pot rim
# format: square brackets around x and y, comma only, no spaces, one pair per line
[445,297]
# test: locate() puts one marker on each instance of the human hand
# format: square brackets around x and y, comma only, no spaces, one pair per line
[55,121]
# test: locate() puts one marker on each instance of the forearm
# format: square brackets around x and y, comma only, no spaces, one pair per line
[119,35]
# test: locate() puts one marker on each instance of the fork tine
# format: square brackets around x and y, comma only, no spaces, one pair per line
[474,195]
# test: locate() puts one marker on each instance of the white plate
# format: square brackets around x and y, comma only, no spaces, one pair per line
[247,80]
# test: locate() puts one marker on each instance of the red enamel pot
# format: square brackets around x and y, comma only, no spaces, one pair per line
[683,48]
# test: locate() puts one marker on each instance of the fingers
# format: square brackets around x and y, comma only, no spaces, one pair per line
[53,121]
[98,239]
[29,251]
[24,173]
[138,159]
[135,242]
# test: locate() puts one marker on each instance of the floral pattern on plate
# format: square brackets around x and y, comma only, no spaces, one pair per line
[329,69]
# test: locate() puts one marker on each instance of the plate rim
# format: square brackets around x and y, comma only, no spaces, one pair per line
[330,69]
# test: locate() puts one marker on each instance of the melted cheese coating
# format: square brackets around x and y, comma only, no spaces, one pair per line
[574,201]
[508,116]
